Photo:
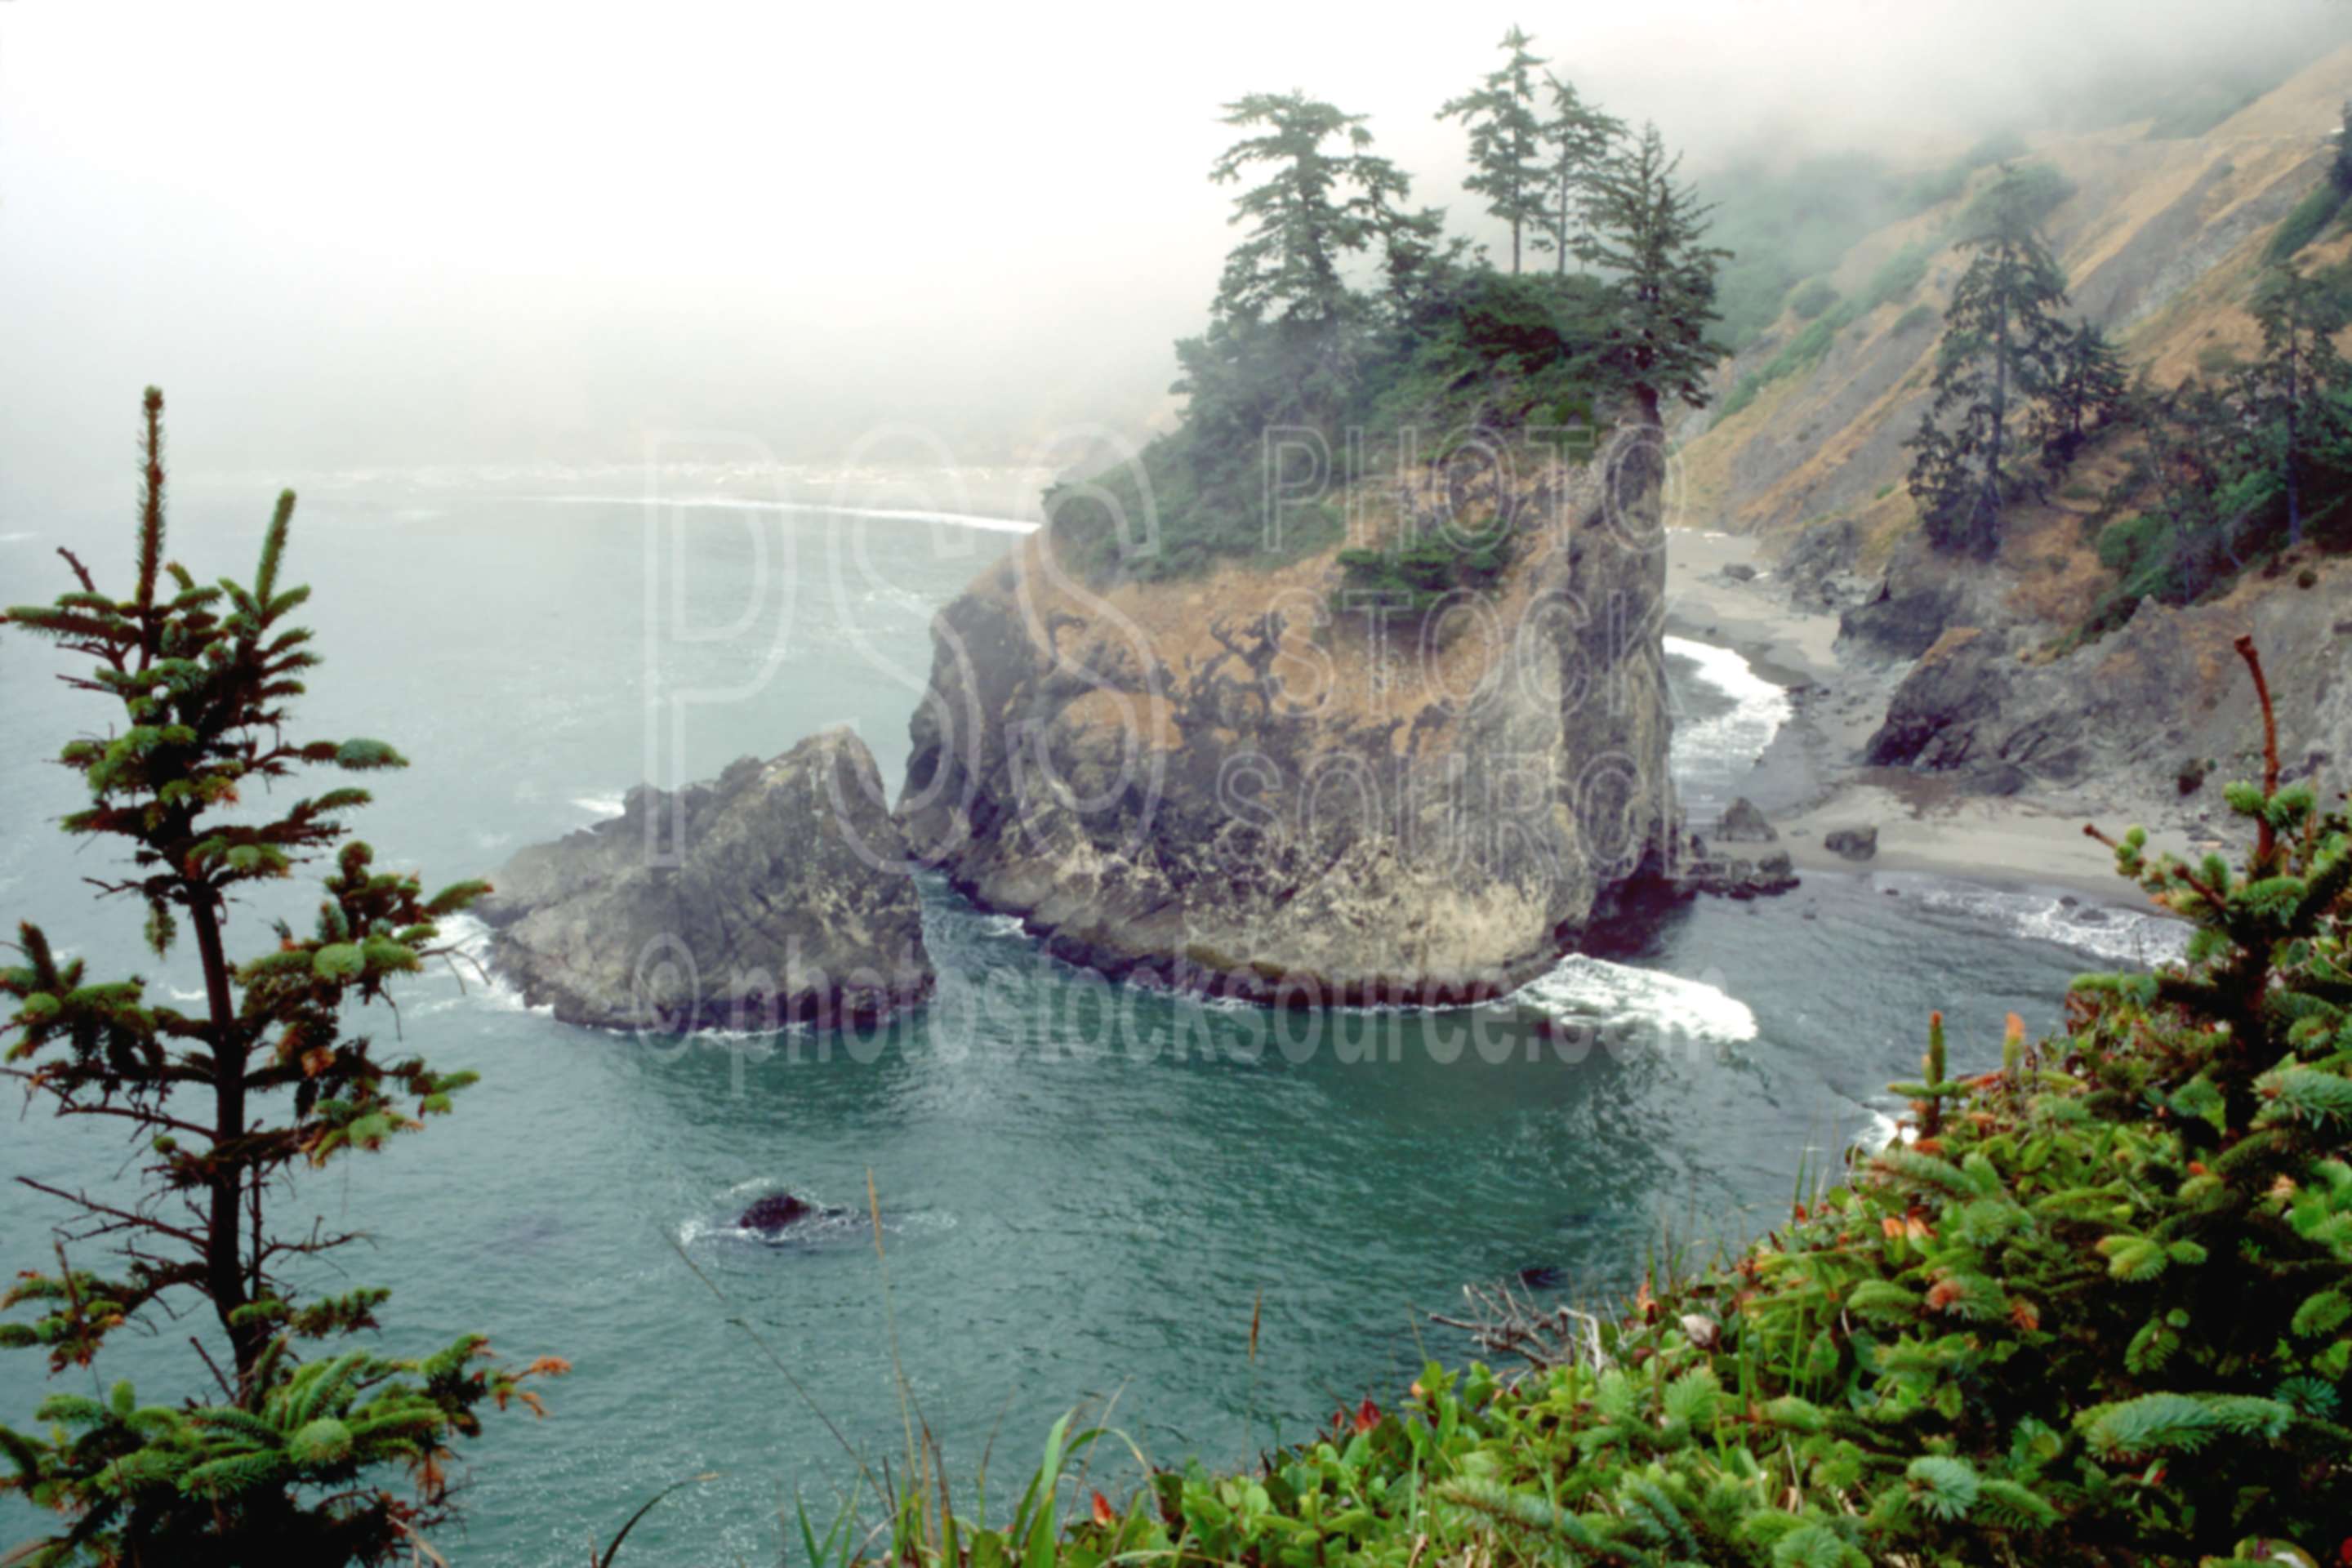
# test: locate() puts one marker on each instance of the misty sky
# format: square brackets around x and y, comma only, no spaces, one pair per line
[347,234]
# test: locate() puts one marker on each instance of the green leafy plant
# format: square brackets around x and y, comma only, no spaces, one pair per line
[2092,1306]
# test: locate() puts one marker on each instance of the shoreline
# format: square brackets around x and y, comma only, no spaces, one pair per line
[1810,783]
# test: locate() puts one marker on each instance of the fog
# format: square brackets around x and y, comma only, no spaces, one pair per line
[424,235]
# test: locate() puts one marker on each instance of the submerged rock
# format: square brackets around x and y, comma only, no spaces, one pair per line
[774,1212]
[778,892]
[1744,824]
[1734,876]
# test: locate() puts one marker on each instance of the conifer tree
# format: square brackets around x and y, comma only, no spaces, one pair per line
[1650,233]
[2087,389]
[1577,138]
[1506,137]
[1998,355]
[2291,392]
[1282,300]
[225,1104]
[1319,207]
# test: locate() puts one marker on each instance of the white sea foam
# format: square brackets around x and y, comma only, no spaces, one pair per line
[484,984]
[731,503]
[2117,935]
[1582,988]
[600,805]
[1883,1128]
[1724,745]
[21,537]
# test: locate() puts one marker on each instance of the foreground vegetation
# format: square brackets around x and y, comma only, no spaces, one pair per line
[2093,1305]
[274,1449]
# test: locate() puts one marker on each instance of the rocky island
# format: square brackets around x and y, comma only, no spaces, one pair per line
[1221,784]
[778,892]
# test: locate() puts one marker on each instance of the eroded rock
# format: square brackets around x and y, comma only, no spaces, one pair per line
[778,892]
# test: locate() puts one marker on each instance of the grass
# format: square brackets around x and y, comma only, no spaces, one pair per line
[1895,277]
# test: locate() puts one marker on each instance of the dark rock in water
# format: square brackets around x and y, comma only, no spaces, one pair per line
[1739,572]
[1810,914]
[1732,877]
[1540,1276]
[778,892]
[2067,901]
[1744,824]
[774,1212]
[1854,843]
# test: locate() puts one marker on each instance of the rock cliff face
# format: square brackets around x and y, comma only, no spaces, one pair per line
[1233,783]
[780,891]
[2164,241]
[2153,702]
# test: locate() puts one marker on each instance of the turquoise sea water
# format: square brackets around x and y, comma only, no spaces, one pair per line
[1085,1191]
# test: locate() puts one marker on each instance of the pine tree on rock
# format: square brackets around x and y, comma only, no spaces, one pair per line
[1577,137]
[1999,356]
[223,1104]
[2291,394]
[1649,234]
[1321,205]
[1507,142]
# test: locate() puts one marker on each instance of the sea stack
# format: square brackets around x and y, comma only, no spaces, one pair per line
[1229,782]
[780,892]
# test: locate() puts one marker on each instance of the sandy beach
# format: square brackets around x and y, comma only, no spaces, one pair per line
[1810,783]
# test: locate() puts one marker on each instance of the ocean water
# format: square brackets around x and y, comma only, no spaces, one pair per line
[1086,1192]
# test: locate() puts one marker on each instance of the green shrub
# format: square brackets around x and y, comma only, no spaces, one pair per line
[1812,299]
[1915,319]
[1417,577]
[2302,226]
[2097,1308]
[2031,192]
[1895,277]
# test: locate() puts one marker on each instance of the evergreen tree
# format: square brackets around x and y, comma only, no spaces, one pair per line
[2291,394]
[1507,141]
[1577,137]
[227,1103]
[1649,233]
[1318,207]
[2339,168]
[1999,352]
[2087,389]
[1286,330]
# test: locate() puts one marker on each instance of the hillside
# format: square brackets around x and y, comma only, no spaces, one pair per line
[2035,671]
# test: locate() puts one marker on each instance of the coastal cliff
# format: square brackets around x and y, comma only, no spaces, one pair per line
[1250,783]
[2058,670]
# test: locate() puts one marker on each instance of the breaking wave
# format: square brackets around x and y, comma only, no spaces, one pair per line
[1581,989]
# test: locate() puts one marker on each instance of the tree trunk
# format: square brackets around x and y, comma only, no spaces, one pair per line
[2294,486]
[1988,499]
[225,1272]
